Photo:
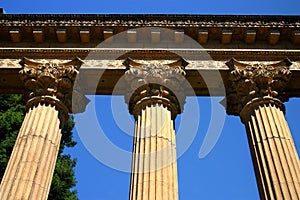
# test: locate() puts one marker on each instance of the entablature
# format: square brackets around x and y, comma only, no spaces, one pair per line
[101,76]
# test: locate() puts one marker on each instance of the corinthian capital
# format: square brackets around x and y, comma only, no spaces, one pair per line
[51,83]
[250,81]
[155,83]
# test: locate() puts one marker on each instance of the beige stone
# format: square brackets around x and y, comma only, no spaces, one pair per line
[33,155]
[108,35]
[273,152]
[271,38]
[256,95]
[250,36]
[155,35]
[154,172]
[38,35]
[15,35]
[202,36]
[85,35]
[226,36]
[154,165]
[61,35]
[30,168]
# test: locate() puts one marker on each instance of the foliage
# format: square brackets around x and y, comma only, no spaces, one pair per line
[11,118]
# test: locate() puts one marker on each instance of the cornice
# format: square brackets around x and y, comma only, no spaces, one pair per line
[210,31]
[170,20]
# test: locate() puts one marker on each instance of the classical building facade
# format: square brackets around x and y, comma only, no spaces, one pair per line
[55,60]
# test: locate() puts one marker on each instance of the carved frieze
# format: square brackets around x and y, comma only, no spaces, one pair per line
[155,83]
[117,64]
[149,20]
[250,81]
[52,83]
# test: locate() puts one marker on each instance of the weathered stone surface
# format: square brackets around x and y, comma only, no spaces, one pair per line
[52,83]
[32,162]
[149,20]
[274,156]
[118,64]
[112,70]
[256,95]
[155,82]
[154,165]
[249,81]
[255,90]
[155,97]
[30,168]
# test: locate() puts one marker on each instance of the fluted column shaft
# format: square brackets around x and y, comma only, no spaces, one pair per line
[155,97]
[28,174]
[154,168]
[31,165]
[256,95]
[273,152]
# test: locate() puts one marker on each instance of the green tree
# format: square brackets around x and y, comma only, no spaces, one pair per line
[11,118]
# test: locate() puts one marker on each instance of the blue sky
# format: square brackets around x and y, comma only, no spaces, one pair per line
[226,172]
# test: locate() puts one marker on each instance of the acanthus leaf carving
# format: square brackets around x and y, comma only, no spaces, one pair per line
[51,82]
[155,82]
[249,81]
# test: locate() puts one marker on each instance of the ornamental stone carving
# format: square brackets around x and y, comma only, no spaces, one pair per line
[52,83]
[155,83]
[256,81]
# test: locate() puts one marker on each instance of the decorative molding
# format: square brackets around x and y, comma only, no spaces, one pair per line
[151,54]
[118,64]
[148,20]
[251,81]
[150,94]
[155,83]
[52,83]
[253,104]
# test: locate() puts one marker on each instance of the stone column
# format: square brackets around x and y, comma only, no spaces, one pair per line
[29,171]
[256,96]
[156,97]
